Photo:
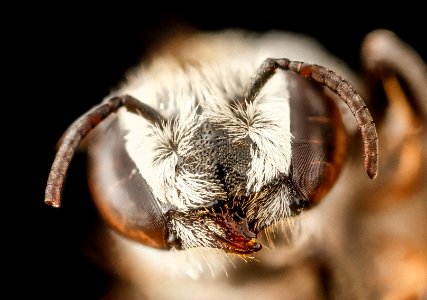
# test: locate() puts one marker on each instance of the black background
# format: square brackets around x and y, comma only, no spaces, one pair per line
[65,60]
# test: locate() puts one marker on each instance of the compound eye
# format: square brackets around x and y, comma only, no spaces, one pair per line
[121,194]
[319,141]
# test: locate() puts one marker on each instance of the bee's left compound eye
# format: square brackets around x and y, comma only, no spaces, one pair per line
[319,140]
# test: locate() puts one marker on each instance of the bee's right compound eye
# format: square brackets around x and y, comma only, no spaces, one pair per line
[121,194]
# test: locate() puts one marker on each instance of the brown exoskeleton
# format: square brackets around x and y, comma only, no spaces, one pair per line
[216,138]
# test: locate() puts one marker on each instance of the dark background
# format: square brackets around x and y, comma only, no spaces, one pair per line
[66,59]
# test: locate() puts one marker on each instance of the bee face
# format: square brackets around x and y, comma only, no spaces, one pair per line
[214,141]
[219,168]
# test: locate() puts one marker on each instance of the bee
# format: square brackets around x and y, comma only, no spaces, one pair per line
[216,137]
[217,146]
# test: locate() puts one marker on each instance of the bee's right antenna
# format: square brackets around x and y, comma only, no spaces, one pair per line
[79,129]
